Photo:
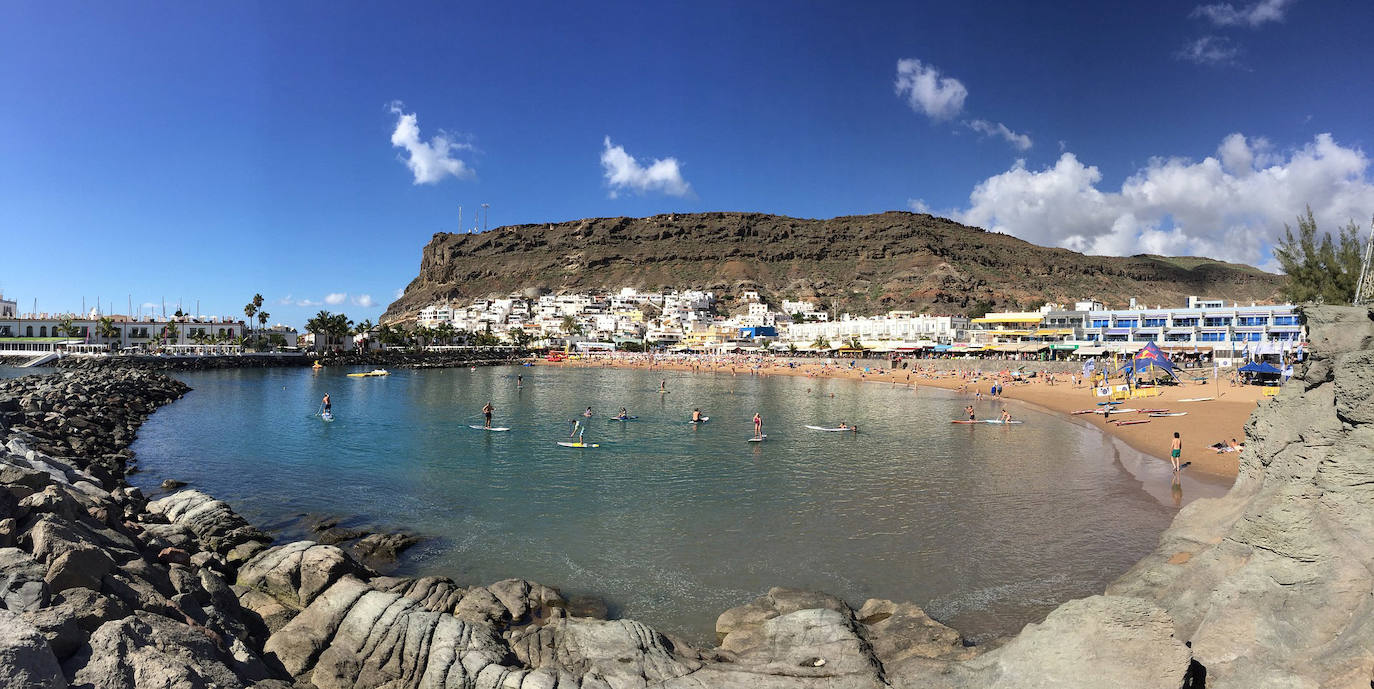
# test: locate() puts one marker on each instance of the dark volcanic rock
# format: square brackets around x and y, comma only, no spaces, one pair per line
[866,263]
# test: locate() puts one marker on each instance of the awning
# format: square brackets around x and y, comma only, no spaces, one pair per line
[942,348]
[1032,347]
[1091,351]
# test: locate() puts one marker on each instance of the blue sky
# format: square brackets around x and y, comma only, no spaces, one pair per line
[210,151]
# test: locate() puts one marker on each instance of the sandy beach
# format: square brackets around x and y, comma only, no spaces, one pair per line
[1206,422]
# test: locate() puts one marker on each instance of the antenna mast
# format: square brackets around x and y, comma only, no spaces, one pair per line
[1366,282]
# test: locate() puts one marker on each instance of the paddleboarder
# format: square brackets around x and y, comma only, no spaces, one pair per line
[325,402]
[486,413]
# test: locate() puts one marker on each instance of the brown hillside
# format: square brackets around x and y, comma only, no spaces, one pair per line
[862,264]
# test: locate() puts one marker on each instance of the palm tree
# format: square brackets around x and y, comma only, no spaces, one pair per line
[65,328]
[855,343]
[821,343]
[791,347]
[319,325]
[250,310]
[445,332]
[106,328]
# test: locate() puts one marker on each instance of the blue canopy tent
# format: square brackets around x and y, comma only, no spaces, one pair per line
[1261,368]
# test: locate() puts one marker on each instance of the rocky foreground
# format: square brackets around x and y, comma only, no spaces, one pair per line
[1270,586]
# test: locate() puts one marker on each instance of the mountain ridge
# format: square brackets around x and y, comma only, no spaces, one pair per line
[864,264]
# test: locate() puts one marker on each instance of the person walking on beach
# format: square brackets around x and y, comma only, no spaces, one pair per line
[758,425]
[486,413]
[1175,450]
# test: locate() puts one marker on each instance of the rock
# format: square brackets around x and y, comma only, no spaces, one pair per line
[615,653]
[26,659]
[174,556]
[479,605]
[296,573]
[147,650]
[900,631]
[245,551]
[59,626]
[791,643]
[1102,641]
[217,527]
[525,602]
[592,607]
[171,484]
[437,594]
[382,549]
[353,635]
[90,609]
[23,586]
[79,567]
[266,612]
[777,602]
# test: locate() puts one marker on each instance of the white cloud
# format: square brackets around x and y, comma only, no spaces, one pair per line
[400,292]
[918,205]
[308,302]
[284,300]
[937,97]
[623,172]
[364,300]
[1020,141]
[1230,206]
[1210,50]
[1252,15]
[335,298]
[429,161]
[147,306]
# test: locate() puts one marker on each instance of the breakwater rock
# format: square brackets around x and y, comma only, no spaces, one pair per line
[1270,586]
[179,363]
[404,358]
[87,416]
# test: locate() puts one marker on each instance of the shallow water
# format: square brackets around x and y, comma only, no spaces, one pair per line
[987,527]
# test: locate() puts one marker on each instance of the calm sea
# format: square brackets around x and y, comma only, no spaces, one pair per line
[986,527]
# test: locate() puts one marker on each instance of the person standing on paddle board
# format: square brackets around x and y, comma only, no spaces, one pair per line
[325,402]
[1175,450]
[663,385]
[969,410]
[758,425]
[486,413]
[519,381]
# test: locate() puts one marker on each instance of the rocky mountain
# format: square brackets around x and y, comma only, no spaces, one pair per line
[863,264]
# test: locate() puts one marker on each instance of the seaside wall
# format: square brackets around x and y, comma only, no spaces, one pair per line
[1270,586]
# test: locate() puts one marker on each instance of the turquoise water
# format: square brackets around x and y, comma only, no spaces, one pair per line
[987,527]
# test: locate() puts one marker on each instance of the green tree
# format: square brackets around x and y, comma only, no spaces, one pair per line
[570,326]
[250,310]
[107,329]
[520,338]
[821,343]
[65,328]
[1319,270]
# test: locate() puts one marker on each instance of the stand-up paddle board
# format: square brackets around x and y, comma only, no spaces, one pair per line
[617,418]
[999,421]
[827,429]
[567,444]
[1175,413]
[493,429]
[1131,423]
[1105,403]
[703,419]
[759,439]
[965,421]
[1198,399]
[327,416]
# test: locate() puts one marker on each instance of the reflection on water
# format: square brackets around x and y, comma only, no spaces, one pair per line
[988,527]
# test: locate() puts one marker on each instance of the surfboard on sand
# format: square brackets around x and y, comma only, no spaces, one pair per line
[759,439]
[1172,413]
[1198,399]
[1131,423]
[494,429]
[568,444]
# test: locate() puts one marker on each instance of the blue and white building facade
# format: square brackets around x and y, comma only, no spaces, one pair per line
[1225,330]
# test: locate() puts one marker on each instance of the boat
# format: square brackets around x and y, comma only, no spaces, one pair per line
[317,366]
[370,374]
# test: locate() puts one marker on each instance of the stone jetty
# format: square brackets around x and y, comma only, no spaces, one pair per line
[1269,586]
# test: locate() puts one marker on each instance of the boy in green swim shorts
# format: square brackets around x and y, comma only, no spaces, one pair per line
[1175,450]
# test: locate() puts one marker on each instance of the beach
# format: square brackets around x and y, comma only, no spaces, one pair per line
[1207,422]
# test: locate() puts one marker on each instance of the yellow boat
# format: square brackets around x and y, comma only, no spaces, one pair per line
[369,374]
[317,365]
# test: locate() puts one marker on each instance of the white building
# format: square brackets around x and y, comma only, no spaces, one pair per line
[896,326]
[8,309]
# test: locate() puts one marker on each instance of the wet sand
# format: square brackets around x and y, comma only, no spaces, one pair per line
[1208,422]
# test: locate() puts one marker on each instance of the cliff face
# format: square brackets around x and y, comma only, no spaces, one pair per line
[864,264]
